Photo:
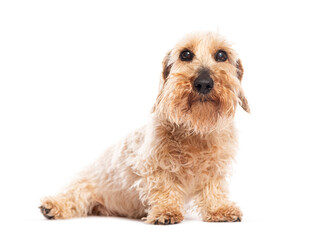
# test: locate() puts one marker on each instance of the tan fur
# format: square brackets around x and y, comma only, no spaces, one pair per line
[184,152]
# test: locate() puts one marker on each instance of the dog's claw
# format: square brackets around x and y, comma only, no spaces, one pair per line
[237,220]
[166,222]
[45,212]
[49,217]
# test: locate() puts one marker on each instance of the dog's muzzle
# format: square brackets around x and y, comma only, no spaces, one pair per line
[203,83]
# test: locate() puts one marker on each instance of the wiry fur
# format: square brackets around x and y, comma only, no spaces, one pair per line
[183,153]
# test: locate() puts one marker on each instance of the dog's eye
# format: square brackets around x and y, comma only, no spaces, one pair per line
[186,55]
[221,56]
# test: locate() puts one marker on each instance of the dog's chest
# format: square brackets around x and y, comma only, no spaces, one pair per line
[202,157]
[192,157]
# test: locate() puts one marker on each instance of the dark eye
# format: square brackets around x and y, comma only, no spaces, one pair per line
[186,55]
[221,56]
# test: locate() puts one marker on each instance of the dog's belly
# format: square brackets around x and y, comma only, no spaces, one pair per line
[118,196]
[123,202]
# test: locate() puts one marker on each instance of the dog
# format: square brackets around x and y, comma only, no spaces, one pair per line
[183,153]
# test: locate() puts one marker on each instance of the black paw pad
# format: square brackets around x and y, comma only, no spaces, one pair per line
[45,212]
[166,222]
[237,220]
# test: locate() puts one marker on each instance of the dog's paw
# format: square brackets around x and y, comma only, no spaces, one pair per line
[165,218]
[225,213]
[50,210]
[46,212]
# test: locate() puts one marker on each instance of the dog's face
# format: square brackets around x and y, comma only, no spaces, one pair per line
[201,84]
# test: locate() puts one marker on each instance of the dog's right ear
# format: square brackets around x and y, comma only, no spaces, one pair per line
[166,67]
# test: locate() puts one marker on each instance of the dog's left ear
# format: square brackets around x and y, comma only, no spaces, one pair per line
[243,101]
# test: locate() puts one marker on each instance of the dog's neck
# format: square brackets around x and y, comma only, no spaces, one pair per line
[181,131]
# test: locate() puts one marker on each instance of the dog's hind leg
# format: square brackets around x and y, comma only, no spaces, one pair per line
[77,200]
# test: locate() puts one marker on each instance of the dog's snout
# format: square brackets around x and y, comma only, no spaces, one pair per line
[203,83]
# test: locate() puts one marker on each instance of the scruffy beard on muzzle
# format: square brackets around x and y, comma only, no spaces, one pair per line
[181,106]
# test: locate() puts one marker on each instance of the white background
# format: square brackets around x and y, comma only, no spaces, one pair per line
[76,76]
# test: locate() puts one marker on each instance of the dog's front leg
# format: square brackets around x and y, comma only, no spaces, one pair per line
[213,203]
[165,199]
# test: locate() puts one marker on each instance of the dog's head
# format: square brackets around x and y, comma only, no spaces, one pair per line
[201,84]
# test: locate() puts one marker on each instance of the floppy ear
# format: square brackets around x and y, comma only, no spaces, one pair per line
[243,101]
[239,69]
[166,67]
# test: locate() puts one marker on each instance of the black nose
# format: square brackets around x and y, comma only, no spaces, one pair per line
[203,83]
